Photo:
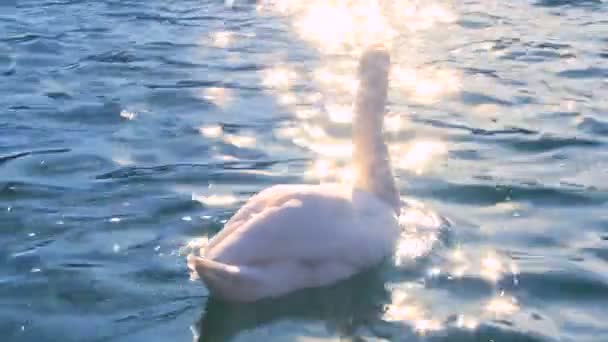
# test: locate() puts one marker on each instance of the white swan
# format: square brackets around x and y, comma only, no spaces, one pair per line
[290,237]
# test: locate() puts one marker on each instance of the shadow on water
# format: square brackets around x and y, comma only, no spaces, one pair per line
[344,307]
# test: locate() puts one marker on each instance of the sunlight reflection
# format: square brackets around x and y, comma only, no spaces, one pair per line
[241,141]
[422,17]
[425,85]
[492,268]
[419,155]
[332,148]
[224,157]
[411,248]
[323,168]
[424,326]
[502,306]
[316,132]
[403,312]
[345,82]
[434,271]
[347,175]
[353,24]
[123,160]
[211,131]
[314,138]
[328,171]
[393,123]
[457,255]
[459,262]
[278,77]
[403,309]
[287,99]
[421,229]
[340,114]
[215,200]
[221,39]
[356,24]
[465,322]
[289,132]
[217,95]
[127,114]
[459,271]
[304,114]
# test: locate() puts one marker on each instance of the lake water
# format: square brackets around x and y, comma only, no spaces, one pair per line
[129,128]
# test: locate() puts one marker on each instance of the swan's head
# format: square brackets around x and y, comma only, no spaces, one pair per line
[374,68]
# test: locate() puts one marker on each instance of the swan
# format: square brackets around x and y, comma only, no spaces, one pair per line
[292,237]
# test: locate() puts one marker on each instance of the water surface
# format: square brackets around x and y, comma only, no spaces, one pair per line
[130,128]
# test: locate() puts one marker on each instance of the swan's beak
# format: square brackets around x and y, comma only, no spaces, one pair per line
[191,263]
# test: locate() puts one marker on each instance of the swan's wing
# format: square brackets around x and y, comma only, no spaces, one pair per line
[307,226]
[256,204]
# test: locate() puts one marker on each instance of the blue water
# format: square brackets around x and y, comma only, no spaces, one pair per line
[120,120]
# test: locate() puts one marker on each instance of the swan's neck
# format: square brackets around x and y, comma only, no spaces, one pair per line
[371,157]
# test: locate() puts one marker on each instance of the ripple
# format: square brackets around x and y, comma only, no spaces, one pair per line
[489,194]
[572,3]
[21,38]
[470,287]
[23,190]
[69,164]
[97,114]
[591,72]
[495,333]
[546,143]
[564,285]
[114,57]
[594,126]
[208,172]
[5,159]
[476,130]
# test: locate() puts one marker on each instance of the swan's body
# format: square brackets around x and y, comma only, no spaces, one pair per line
[290,237]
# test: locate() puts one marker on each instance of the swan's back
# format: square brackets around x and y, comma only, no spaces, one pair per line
[306,223]
[294,237]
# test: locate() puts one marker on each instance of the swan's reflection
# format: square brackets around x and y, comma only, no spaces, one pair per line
[344,308]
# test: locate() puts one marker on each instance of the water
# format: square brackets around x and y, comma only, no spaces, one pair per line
[130,128]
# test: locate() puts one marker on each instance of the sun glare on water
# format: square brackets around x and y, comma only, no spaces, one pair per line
[215,200]
[337,32]
[419,155]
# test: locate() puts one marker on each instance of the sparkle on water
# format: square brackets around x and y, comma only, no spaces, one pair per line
[211,131]
[419,155]
[492,268]
[502,306]
[222,39]
[215,200]
[217,95]
[240,140]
